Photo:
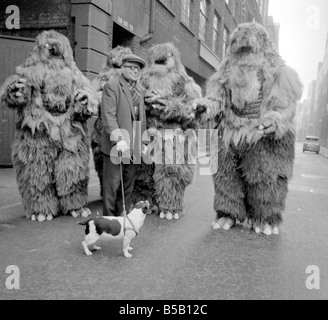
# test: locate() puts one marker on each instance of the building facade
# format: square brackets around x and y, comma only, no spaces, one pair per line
[200,29]
[313,113]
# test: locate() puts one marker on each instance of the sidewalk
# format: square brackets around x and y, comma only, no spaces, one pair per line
[324,152]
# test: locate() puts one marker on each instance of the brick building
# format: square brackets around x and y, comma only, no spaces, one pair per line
[199,28]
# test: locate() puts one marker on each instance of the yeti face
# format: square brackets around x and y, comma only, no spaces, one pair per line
[164,58]
[249,38]
[51,45]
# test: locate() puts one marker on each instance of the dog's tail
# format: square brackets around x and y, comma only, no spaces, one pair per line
[85,222]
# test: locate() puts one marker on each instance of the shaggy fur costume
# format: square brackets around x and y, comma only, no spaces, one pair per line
[51,149]
[111,69]
[254,94]
[169,92]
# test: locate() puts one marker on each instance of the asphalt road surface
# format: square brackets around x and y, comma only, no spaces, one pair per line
[182,259]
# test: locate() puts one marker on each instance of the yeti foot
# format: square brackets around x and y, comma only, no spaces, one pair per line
[162,215]
[226,223]
[50,217]
[97,248]
[83,212]
[33,217]
[267,230]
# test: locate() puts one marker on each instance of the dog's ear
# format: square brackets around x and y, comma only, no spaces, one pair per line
[146,210]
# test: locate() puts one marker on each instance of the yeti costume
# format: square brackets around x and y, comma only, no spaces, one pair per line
[50,152]
[254,97]
[111,69]
[169,92]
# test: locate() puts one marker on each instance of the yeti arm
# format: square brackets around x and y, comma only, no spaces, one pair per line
[192,90]
[281,104]
[15,93]
[211,106]
[174,110]
[85,99]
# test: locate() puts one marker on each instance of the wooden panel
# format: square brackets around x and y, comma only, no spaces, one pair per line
[13,52]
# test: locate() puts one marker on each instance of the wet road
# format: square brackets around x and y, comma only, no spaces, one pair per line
[183,259]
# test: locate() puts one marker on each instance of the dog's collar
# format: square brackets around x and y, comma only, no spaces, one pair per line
[132,228]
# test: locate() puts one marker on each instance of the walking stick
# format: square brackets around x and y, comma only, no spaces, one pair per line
[122,184]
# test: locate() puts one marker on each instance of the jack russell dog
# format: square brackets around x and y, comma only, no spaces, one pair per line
[115,228]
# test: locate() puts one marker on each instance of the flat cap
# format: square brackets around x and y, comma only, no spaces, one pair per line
[134,58]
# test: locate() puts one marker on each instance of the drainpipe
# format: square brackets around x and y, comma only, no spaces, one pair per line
[150,35]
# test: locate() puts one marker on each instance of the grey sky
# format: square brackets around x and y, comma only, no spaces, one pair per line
[303,32]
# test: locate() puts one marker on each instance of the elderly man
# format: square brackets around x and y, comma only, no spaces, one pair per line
[124,119]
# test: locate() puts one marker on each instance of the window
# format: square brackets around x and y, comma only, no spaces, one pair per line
[216,34]
[204,7]
[187,7]
[226,39]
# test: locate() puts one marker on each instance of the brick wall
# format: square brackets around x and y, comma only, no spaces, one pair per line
[36,16]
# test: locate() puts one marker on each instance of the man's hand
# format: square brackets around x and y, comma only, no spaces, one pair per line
[122,146]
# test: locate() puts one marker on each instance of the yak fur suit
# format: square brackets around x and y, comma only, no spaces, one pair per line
[51,148]
[111,69]
[253,96]
[168,97]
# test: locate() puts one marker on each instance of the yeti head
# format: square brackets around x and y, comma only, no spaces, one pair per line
[163,59]
[52,48]
[249,38]
[114,57]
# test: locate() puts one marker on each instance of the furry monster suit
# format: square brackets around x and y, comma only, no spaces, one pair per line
[254,97]
[51,148]
[111,69]
[169,92]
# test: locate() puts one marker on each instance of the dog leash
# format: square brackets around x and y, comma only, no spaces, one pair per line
[124,209]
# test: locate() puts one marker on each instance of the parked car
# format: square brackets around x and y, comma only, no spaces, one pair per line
[311,143]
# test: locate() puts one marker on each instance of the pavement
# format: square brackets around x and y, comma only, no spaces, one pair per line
[11,206]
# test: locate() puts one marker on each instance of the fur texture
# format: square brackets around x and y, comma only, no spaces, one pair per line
[253,96]
[169,92]
[51,149]
[111,69]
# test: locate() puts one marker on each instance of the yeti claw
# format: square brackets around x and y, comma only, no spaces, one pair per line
[169,216]
[266,230]
[74,214]
[224,223]
[176,216]
[41,217]
[83,212]
[86,213]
